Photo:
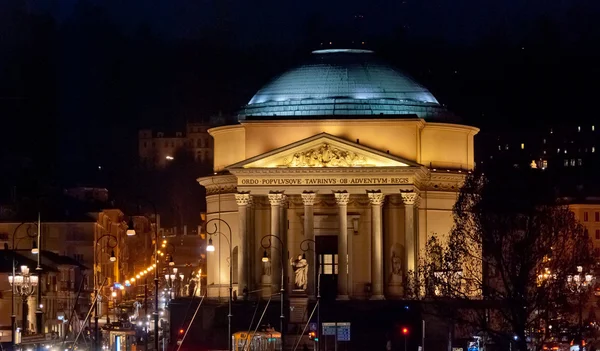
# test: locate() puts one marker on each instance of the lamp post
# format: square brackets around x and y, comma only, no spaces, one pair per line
[25,285]
[211,248]
[111,243]
[131,232]
[13,317]
[580,284]
[305,246]
[265,242]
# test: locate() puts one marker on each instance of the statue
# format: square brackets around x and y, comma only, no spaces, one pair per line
[300,272]
[396,271]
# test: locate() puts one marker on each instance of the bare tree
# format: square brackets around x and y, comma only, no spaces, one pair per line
[505,264]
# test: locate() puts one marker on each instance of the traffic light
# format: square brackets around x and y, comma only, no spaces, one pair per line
[404,331]
[312,335]
[181,331]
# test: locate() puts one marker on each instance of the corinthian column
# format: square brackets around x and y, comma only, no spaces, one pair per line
[308,198]
[410,200]
[242,200]
[342,198]
[376,199]
[276,200]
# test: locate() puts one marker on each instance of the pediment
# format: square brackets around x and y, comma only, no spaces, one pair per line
[323,150]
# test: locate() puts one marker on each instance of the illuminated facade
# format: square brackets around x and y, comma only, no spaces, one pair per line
[344,151]
[157,148]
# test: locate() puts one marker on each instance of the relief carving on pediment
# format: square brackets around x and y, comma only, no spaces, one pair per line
[325,155]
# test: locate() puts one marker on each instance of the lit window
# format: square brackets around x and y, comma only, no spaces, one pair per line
[551,131]
[544,141]
[557,150]
[522,146]
[544,152]
[593,128]
[579,162]
[565,151]
[506,147]
[593,149]
[585,216]
[499,148]
[566,163]
[579,128]
[544,164]
[573,162]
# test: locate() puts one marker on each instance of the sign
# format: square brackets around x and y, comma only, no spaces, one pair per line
[340,329]
[328,328]
[343,331]
[324,180]
[312,327]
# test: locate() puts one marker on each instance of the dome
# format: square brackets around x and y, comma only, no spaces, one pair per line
[345,83]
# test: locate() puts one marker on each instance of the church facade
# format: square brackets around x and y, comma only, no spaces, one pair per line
[332,181]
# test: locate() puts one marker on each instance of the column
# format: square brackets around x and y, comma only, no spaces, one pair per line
[251,245]
[276,199]
[342,198]
[242,200]
[410,199]
[308,198]
[376,199]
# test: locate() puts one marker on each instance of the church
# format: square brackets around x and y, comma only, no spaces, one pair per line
[331,182]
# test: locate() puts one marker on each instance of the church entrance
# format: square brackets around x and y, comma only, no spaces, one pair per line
[327,265]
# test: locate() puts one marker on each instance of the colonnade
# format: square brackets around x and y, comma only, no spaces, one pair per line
[277,201]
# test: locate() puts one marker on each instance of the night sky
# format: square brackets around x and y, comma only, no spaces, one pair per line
[79,78]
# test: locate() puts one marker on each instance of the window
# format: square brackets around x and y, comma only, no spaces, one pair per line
[573,162]
[597,216]
[579,162]
[522,146]
[579,128]
[506,147]
[566,164]
[544,164]
[145,145]
[499,148]
[557,150]
[3,236]
[329,263]
[199,143]
[593,149]
[585,216]
[593,128]
[597,234]
[544,141]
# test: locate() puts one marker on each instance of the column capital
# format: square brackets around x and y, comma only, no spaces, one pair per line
[276,199]
[243,199]
[342,197]
[308,198]
[410,198]
[376,197]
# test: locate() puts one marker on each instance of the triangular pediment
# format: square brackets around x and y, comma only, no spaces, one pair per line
[323,150]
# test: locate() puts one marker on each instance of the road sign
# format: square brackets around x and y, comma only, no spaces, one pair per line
[312,327]
[328,328]
[343,331]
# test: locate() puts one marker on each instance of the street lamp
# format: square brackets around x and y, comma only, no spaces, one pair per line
[580,284]
[155,313]
[111,243]
[130,227]
[211,248]
[13,317]
[267,244]
[24,284]
[305,246]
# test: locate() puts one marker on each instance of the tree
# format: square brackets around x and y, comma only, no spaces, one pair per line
[508,256]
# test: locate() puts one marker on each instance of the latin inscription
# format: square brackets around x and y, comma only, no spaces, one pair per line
[324,181]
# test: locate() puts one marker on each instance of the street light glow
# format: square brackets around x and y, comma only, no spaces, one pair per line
[210,247]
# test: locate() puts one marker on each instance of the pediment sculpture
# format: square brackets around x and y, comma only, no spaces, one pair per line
[325,155]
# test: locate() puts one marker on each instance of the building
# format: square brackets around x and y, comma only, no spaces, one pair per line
[156,149]
[349,165]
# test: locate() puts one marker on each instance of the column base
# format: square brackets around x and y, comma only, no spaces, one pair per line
[377,297]
[342,298]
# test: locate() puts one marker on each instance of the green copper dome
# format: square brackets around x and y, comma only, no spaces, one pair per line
[341,82]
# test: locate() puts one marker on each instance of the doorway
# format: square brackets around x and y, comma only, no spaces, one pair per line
[327,265]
